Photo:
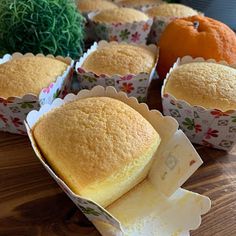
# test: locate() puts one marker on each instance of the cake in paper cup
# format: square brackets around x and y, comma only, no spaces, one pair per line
[116,152]
[139,4]
[201,96]
[87,6]
[28,81]
[163,14]
[128,67]
[121,24]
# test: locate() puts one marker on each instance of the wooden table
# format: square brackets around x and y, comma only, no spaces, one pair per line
[32,204]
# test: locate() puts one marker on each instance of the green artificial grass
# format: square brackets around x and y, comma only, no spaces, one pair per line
[41,26]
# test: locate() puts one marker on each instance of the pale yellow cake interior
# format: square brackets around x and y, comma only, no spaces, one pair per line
[24,75]
[122,59]
[209,85]
[120,15]
[94,5]
[99,146]
[172,9]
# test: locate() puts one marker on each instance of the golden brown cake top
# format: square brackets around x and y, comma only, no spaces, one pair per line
[94,5]
[138,3]
[209,85]
[172,9]
[120,15]
[23,75]
[92,138]
[121,59]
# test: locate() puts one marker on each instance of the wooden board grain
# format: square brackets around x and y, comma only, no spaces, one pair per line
[31,203]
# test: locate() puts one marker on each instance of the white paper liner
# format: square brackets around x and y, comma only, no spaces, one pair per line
[13,110]
[208,127]
[159,177]
[133,85]
[135,32]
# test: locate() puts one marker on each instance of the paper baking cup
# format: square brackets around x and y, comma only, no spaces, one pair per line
[90,35]
[158,27]
[174,162]
[208,127]
[136,32]
[141,7]
[133,85]
[13,110]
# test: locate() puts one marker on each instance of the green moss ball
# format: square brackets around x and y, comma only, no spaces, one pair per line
[41,26]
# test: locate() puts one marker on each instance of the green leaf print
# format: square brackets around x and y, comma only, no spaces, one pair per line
[25,105]
[89,211]
[124,34]
[161,23]
[89,78]
[56,94]
[189,123]
[141,99]
[234,118]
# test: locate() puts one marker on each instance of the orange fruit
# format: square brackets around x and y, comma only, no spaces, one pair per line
[197,36]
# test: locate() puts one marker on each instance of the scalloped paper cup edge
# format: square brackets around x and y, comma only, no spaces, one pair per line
[11,108]
[176,167]
[138,83]
[112,31]
[224,144]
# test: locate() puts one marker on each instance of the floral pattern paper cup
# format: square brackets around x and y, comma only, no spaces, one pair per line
[158,27]
[13,110]
[90,35]
[208,127]
[174,162]
[133,85]
[135,32]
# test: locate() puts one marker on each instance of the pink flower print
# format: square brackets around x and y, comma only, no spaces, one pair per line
[3,118]
[16,121]
[64,92]
[127,87]
[127,77]
[154,33]
[21,132]
[4,102]
[172,102]
[116,24]
[218,113]
[135,37]
[71,74]
[198,128]
[207,144]
[47,90]
[145,27]
[80,70]
[211,133]
[113,38]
